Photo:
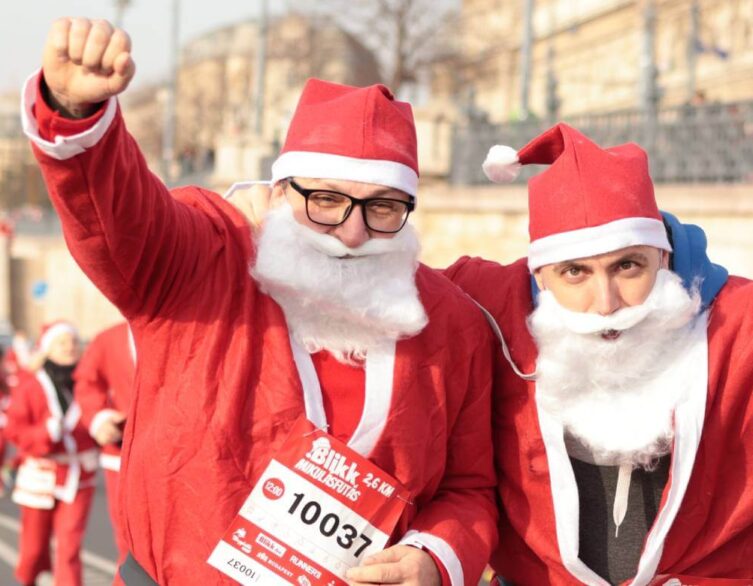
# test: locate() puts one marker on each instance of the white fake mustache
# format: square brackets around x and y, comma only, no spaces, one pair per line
[590,323]
[628,317]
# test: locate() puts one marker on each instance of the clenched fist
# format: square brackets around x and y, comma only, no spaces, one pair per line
[85,62]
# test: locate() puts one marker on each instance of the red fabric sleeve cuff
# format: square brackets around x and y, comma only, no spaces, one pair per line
[52,124]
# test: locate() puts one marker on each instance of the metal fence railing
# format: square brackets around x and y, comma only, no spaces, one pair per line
[706,143]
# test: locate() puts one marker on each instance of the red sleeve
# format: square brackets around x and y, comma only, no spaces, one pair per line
[463,512]
[91,385]
[23,429]
[149,251]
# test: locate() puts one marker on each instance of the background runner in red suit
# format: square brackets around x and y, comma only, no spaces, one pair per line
[4,400]
[55,481]
[623,421]
[103,383]
[227,360]
[17,359]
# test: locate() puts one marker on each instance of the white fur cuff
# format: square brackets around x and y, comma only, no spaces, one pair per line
[99,419]
[54,429]
[441,550]
[61,147]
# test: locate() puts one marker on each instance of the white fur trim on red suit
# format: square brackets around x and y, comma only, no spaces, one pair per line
[109,462]
[380,366]
[327,166]
[54,428]
[688,420]
[441,549]
[312,391]
[380,372]
[597,240]
[67,492]
[62,147]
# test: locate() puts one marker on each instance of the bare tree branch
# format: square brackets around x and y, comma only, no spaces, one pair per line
[404,34]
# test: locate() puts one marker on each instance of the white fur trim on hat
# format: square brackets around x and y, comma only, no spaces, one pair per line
[328,166]
[501,164]
[595,240]
[45,341]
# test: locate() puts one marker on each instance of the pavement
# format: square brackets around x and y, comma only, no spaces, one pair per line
[99,554]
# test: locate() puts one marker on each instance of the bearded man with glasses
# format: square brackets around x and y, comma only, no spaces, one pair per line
[311,403]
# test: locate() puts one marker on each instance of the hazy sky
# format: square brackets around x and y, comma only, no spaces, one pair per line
[24,25]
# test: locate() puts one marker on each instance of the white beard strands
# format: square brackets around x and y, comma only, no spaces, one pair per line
[342,305]
[616,398]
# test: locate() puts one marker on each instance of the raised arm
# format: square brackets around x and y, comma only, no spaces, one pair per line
[145,248]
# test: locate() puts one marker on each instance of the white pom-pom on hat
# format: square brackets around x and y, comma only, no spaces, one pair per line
[501,164]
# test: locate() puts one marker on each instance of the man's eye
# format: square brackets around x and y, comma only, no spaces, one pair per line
[573,272]
[384,206]
[326,199]
[627,265]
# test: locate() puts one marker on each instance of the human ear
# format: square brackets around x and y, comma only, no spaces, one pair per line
[664,259]
[539,279]
[277,196]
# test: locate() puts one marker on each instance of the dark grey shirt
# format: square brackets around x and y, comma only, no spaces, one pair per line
[616,558]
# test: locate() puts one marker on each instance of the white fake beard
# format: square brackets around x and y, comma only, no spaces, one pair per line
[342,305]
[615,398]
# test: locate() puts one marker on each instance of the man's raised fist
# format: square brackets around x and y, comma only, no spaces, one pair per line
[86,62]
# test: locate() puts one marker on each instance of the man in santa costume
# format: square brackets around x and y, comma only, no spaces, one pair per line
[327,314]
[623,422]
[103,383]
[55,481]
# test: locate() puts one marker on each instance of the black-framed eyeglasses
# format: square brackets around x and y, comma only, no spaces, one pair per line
[332,208]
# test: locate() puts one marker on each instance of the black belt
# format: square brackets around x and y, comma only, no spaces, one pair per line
[133,574]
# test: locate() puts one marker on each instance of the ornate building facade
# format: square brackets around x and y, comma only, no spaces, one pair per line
[216,86]
[592,56]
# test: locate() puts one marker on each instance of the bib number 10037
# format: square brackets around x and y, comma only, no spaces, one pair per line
[329,524]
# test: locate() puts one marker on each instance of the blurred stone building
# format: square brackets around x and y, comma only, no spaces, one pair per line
[216,89]
[589,56]
[20,180]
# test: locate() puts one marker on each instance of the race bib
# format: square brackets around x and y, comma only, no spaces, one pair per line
[318,510]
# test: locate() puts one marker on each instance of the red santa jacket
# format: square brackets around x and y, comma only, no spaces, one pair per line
[705,525]
[218,388]
[68,448]
[103,382]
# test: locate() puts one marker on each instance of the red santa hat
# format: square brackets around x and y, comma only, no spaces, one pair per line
[350,133]
[52,330]
[589,201]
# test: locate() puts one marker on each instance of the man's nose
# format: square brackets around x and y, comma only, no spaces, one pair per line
[353,231]
[607,298]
